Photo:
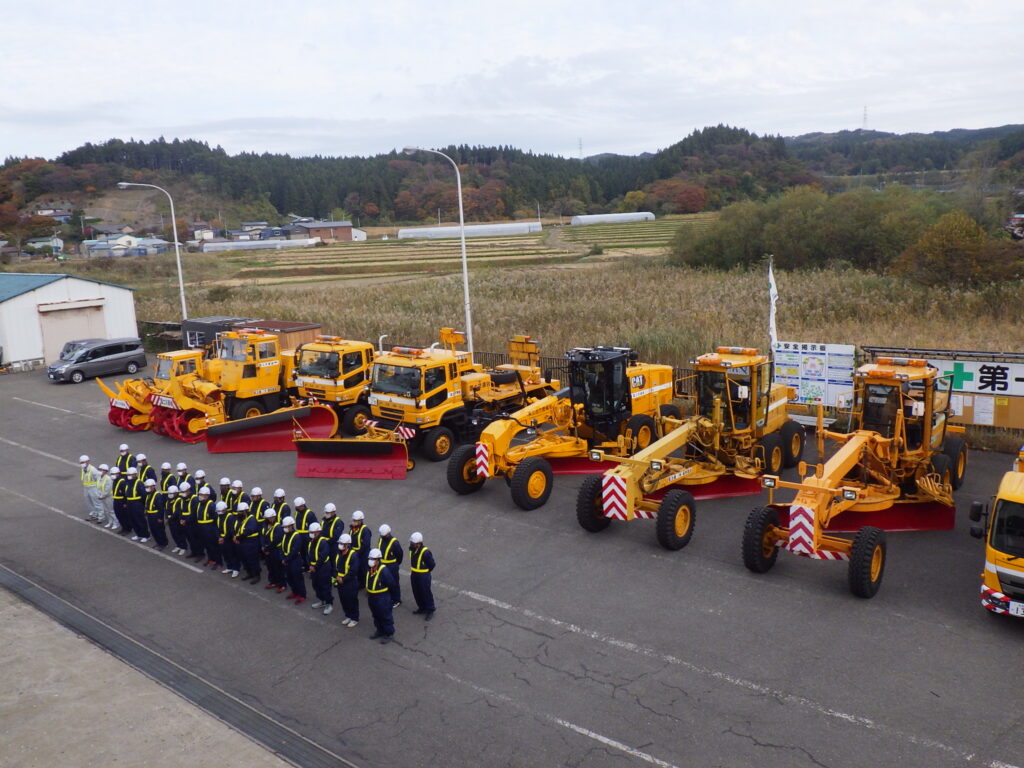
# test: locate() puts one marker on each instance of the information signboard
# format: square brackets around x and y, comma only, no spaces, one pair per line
[820,373]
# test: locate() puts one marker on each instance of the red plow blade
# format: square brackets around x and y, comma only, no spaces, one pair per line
[578,465]
[725,487]
[275,431]
[352,459]
[913,516]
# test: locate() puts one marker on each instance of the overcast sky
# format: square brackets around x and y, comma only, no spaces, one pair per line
[339,78]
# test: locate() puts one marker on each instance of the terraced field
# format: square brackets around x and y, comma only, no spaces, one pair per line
[638,235]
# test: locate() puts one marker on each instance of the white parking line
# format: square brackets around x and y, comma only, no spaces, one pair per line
[61,459]
[55,408]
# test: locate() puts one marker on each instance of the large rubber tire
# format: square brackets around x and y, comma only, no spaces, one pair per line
[956,450]
[644,430]
[532,482]
[760,554]
[772,452]
[792,435]
[589,507]
[867,561]
[943,467]
[462,477]
[77,377]
[677,514]
[438,444]
[670,410]
[244,409]
[353,422]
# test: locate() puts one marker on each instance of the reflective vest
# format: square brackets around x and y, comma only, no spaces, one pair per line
[173,508]
[186,478]
[133,490]
[319,550]
[302,520]
[146,473]
[328,526]
[88,478]
[416,561]
[119,489]
[282,509]
[125,461]
[385,552]
[358,536]
[151,501]
[286,543]
[257,508]
[343,562]
[167,482]
[205,511]
[245,523]
[373,585]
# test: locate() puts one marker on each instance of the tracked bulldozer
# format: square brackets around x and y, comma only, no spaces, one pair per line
[895,465]
[737,427]
[611,404]
[429,398]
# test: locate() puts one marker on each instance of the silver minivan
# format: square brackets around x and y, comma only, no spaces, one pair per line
[97,357]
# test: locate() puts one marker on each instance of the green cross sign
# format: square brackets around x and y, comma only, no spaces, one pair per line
[960,376]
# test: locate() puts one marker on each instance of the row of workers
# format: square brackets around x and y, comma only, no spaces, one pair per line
[238,531]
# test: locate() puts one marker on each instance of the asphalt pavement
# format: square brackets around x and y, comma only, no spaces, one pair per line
[551,646]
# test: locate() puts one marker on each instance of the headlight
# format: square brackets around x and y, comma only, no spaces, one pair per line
[849,494]
[768,482]
[657,466]
[595,455]
[371,400]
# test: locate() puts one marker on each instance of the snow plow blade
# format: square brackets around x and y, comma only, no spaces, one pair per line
[724,487]
[578,465]
[911,516]
[275,431]
[352,459]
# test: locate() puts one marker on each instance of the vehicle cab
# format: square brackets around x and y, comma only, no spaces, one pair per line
[1002,528]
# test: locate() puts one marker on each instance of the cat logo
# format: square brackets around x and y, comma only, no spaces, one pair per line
[637,382]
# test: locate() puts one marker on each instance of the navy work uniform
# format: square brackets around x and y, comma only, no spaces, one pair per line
[124,459]
[360,543]
[346,576]
[155,504]
[378,595]
[175,503]
[206,528]
[280,505]
[318,555]
[167,478]
[331,526]
[292,547]
[133,493]
[120,502]
[227,528]
[270,543]
[421,564]
[189,513]
[304,517]
[248,540]
[391,557]
[145,469]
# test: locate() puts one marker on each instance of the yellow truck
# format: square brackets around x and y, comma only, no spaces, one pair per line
[611,404]
[335,371]
[1002,528]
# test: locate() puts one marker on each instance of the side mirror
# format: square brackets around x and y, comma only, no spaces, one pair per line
[977,511]
[977,531]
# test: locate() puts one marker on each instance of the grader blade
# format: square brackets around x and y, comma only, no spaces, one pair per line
[723,487]
[352,459]
[275,431]
[577,465]
[908,516]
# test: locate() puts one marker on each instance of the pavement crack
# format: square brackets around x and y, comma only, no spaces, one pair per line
[769,745]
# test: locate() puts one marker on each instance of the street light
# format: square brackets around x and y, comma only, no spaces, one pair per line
[462,238]
[174,225]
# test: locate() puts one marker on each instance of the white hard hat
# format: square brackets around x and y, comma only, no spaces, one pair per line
[204,491]
[182,466]
[299,501]
[225,481]
[357,515]
[172,489]
[416,538]
[242,506]
[269,512]
[150,481]
[257,491]
[132,471]
[329,507]
[221,505]
[103,467]
[140,457]
[115,470]
[384,529]
[123,447]
[289,520]
[186,486]
[314,527]
[83,459]
[236,484]
[200,473]
[165,465]
[279,493]
[374,554]
[344,539]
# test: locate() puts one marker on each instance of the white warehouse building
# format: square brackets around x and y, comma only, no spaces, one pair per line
[39,313]
[611,218]
[475,230]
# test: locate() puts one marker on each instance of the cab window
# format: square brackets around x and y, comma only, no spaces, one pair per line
[350,361]
[433,378]
[266,350]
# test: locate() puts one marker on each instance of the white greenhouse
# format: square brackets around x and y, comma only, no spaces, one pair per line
[472,230]
[611,218]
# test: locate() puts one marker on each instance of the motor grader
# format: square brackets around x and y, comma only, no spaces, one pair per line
[611,404]
[737,426]
[1002,528]
[433,398]
[132,403]
[896,464]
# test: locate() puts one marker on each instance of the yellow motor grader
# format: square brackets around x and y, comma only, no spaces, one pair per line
[737,427]
[895,467]
[611,405]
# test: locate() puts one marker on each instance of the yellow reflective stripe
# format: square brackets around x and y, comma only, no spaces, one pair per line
[376,583]
[386,557]
[418,568]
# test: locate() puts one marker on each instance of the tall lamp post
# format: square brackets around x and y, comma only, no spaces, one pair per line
[174,225]
[462,238]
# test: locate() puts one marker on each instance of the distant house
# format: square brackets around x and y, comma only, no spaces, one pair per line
[243,234]
[114,245]
[110,229]
[148,246]
[253,226]
[52,244]
[203,232]
[271,233]
[57,214]
[327,231]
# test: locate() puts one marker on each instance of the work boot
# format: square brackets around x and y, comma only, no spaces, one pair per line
[317,604]
[327,609]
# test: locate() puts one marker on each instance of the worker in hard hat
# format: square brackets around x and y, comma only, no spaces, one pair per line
[124,459]
[421,565]
[303,515]
[184,476]
[167,478]
[391,557]
[236,495]
[280,504]
[120,506]
[270,545]
[248,540]
[172,509]
[90,477]
[379,584]
[201,481]
[154,503]
[136,508]
[330,524]
[292,547]
[104,489]
[346,576]
[205,526]
[320,566]
[146,470]
[187,520]
[224,487]
[227,529]
[361,536]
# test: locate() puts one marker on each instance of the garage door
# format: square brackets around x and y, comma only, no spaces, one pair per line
[64,325]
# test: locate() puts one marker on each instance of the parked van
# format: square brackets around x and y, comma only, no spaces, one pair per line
[95,357]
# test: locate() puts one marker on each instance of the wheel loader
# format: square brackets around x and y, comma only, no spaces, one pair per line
[611,404]
[895,466]
[737,427]
[432,398]
[1002,528]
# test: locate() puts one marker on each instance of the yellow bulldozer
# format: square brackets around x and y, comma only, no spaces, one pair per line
[896,464]
[737,426]
[611,404]
[433,398]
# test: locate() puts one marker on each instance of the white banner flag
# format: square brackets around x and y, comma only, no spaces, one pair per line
[773,295]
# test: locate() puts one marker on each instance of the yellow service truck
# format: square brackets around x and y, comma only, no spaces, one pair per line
[1002,528]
